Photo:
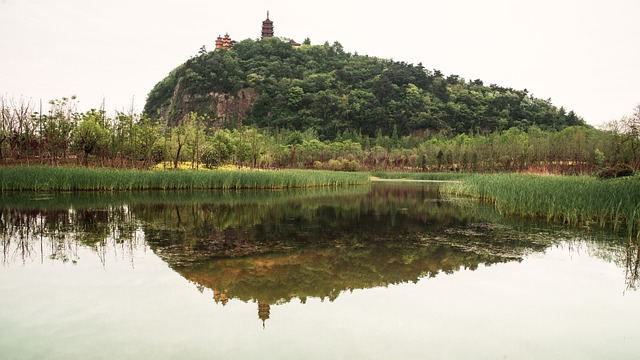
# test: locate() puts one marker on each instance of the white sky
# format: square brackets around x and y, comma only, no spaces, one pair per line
[584,55]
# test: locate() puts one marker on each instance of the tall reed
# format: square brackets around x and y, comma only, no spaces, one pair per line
[80,179]
[575,200]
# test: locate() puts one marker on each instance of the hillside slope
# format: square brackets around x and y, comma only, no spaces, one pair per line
[269,83]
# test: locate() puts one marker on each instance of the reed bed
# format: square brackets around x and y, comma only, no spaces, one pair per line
[575,200]
[85,179]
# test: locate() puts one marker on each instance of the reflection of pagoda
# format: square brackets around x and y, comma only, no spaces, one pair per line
[220,297]
[263,311]
[267,27]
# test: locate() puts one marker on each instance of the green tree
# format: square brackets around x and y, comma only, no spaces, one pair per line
[293,141]
[180,136]
[89,134]
[219,150]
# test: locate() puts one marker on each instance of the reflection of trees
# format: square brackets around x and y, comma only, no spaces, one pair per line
[626,256]
[322,246]
[633,265]
[33,235]
[193,232]
[271,246]
[38,225]
[319,248]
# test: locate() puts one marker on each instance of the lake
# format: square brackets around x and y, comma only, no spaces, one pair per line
[373,272]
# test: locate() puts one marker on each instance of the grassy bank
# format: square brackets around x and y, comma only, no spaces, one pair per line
[575,200]
[84,179]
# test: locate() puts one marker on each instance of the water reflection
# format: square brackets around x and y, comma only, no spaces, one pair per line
[39,235]
[270,247]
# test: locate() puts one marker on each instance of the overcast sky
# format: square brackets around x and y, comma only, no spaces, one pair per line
[584,55]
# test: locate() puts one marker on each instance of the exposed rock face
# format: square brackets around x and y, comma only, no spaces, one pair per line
[222,108]
[234,108]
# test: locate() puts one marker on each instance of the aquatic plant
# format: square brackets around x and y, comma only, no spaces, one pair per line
[575,200]
[80,179]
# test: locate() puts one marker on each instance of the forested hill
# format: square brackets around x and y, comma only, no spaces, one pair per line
[269,83]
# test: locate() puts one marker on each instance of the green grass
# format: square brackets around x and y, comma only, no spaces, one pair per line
[84,179]
[575,200]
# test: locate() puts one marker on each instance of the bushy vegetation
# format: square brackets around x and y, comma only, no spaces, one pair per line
[327,89]
[619,170]
[79,179]
[65,137]
[577,200]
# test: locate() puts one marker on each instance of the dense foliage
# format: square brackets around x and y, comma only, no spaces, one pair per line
[63,136]
[324,88]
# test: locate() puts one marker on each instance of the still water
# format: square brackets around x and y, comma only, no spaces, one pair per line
[387,271]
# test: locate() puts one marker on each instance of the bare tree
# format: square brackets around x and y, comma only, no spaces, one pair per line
[631,133]
[626,137]
[19,125]
[7,123]
[61,121]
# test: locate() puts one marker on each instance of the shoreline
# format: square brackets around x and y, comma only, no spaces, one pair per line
[413,181]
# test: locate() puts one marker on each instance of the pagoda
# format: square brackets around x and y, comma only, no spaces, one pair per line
[267,27]
[225,43]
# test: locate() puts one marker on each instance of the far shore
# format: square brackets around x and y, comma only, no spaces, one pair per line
[373,179]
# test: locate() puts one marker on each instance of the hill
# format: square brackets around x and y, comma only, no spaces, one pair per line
[270,83]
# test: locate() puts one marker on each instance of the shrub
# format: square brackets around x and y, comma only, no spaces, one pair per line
[619,170]
[623,170]
[334,165]
[606,174]
[351,166]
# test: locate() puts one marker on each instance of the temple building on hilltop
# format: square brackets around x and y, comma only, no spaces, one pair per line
[267,28]
[225,42]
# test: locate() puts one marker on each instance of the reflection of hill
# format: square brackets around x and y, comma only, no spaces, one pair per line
[324,272]
[319,248]
[238,229]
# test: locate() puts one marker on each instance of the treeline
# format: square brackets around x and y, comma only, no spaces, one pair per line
[324,88]
[61,135]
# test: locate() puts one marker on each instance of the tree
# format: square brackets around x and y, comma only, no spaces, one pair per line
[89,134]
[630,136]
[179,137]
[440,158]
[219,150]
[149,134]
[196,134]
[295,94]
[6,123]
[294,140]
[58,126]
